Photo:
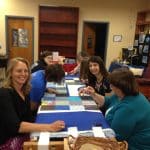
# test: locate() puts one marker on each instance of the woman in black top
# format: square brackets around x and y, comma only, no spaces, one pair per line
[15,114]
[96,75]
[45,59]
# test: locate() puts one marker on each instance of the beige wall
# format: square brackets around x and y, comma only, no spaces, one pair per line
[121,16]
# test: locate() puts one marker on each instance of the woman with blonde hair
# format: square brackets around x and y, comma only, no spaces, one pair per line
[15,111]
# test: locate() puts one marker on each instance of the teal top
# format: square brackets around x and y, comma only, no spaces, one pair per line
[130,119]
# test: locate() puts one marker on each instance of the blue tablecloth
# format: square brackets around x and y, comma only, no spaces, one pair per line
[84,120]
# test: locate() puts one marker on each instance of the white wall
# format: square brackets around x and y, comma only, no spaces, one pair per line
[121,16]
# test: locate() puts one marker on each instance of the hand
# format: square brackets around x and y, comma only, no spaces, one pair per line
[81,91]
[52,91]
[57,126]
[90,90]
[72,72]
[87,90]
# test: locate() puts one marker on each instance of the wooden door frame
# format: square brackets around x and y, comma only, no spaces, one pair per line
[6,28]
[96,22]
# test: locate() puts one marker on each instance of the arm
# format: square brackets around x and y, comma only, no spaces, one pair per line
[75,70]
[51,90]
[14,124]
[99,99]
[26,127]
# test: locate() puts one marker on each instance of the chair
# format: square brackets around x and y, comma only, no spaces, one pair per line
[144,82]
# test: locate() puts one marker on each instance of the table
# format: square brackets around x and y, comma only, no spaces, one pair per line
[80,113]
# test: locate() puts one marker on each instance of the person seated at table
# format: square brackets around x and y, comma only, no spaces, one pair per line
[84,67]
[52,73]
[80,56]
[127,109]
[97,75]
[45,59]
[16,119]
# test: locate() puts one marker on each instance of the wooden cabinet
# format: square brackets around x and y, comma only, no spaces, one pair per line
[58,28]
[143,22]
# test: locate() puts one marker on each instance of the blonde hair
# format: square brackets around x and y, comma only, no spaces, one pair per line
[8,80]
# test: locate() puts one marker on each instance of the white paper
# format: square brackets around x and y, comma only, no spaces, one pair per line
[43,143]
[73,90]
[73,131]
[98,132]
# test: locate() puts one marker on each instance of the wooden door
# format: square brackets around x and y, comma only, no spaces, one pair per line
[89,36]
[20,37]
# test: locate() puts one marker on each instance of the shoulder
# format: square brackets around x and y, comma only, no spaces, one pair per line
[38,74]
[6,94]
[38,79]
[5,91]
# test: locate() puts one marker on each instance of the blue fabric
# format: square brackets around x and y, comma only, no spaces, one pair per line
[38,86]
[71,77]
[114,66]
[61,107]
[84,120]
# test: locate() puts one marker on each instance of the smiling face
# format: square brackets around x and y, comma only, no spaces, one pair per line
[94,68]
[20,74]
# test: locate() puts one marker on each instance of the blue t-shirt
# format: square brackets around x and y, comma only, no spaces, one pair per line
[38,86]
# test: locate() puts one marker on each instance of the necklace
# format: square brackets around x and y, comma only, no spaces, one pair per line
[99,79]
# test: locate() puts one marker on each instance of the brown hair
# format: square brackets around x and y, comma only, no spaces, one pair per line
[124,79]
[81,55]
[8,80]
[54,72]
[84,69]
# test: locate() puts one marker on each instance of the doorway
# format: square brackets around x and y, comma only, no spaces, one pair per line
[20,37]
[95,35]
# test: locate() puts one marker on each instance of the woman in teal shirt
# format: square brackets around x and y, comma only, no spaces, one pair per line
[128,111]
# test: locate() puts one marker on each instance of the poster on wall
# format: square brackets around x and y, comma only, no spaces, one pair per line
[15,37]
[23,40]
[20,38]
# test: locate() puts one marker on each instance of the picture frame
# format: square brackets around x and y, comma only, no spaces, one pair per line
[146,48]
[144,59]
[117,38]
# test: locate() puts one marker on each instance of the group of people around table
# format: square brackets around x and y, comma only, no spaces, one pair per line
[126,109]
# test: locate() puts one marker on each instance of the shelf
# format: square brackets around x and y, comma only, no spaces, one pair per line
[58,29]
[143,23]
[57,22]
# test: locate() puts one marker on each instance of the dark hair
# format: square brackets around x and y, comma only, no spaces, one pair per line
[44,54]
[124,79]
[54,73]
[91,78]
[98,59]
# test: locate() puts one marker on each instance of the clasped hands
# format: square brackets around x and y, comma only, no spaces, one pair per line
[87,90]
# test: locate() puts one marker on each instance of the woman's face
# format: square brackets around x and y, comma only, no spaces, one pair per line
[94,68]
[20,73]
[117,91]
[48,60]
